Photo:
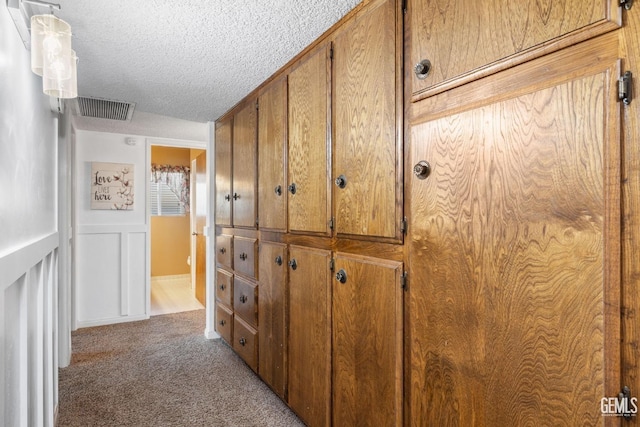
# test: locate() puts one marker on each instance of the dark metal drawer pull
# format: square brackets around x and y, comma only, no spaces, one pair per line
[293,264]
[243,298]
[222,250]
[222,323]
[242,341]
[243,256]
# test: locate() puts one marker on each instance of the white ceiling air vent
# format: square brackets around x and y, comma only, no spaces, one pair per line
[105,109]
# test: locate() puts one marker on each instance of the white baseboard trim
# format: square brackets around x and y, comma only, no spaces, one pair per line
[111,321]
[211,334]
[172,277]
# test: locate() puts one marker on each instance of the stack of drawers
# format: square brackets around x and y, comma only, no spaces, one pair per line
[237,295]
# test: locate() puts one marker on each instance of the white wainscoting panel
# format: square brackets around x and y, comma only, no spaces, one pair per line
[112,284]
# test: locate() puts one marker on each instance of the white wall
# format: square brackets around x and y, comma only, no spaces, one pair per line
[111,253]
[28,240]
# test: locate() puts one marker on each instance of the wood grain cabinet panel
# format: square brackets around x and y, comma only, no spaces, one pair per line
[514,283]
[224,250]
[367,168]
[224,322]
[224,287]
[367,341]
[272,316]
[245,256]
[223,151]
[309,370]
[308,159]
[272,149]
[245,301]
[245,342]
[460,37]
[245,151]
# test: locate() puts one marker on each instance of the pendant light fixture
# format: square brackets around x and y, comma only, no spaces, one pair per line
[52,56]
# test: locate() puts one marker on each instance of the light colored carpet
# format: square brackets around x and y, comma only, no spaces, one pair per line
[163,372]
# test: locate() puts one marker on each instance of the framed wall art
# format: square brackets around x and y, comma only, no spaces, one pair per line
[112,186]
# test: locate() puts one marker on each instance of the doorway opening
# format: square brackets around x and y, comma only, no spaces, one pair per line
[177,206]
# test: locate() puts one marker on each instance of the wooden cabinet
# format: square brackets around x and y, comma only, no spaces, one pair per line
[245,301]
[514,283]
[309,370]
[224,322]
[272,151]
[466,39]
[308,151]
[272,316]
[224,287]
[223,151]
[367,341]
[245,256]
[245,342]
[367,105]
[245,126]
[224,250]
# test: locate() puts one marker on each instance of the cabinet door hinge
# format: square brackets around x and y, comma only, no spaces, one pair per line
[403,280]
[332,264]
[624,88]
[331,223]
[626,4]
[403,225]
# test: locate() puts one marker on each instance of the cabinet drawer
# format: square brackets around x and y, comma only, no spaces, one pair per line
[224,322]
[245,301]
[224,287]
[245,343]
[224,250]
[245,257]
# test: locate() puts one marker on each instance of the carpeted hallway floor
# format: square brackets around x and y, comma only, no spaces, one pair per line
[163,372]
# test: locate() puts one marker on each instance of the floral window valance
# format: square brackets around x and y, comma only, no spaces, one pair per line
[176,178]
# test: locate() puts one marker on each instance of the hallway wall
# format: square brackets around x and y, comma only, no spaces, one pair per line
[29,242]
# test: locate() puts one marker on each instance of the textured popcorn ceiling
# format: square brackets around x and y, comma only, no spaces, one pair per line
[189,59]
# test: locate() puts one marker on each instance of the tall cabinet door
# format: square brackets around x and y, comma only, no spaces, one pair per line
[272,146]
[514,280]
[367,341]
[272,310]
[310,335]
[245,127]
[367,168]
[223,172]
[309,189]
[467,38]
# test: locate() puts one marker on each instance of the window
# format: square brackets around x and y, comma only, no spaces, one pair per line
[164,202]
[169,190]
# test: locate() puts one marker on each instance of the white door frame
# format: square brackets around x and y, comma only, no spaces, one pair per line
[209,331]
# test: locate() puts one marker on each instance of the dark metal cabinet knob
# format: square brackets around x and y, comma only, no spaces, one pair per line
[243,256]
[222,287]
[341,276]
[278,190]
[292,188]
[242,341]
[243,298]
[236,196]
[341,181]
[422,69]
[222,322]
[279,260]
[422,169]
[293,264]
[222,250]
[227,197]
